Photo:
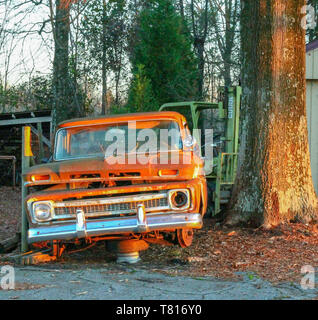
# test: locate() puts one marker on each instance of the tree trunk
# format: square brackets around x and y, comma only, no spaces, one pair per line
[227,71]
[274,182]
[61,81]
[118,72]
[226,38]
[199,38]
[229,43]
[181,5]
[199,44]
[104,60]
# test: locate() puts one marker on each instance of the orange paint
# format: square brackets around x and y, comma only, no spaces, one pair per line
[89,178]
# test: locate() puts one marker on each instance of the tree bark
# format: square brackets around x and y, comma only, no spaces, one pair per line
[199,38]
[199,45]
[181,5]
[230,18]
[61,80]
[274,182]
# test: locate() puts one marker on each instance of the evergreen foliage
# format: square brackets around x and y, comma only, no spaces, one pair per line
[164,50]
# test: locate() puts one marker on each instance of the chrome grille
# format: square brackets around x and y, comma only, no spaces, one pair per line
[102,207]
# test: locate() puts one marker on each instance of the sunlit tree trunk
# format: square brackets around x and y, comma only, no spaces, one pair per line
[274,182]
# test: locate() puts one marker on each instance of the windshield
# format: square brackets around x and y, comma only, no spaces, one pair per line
[114,138]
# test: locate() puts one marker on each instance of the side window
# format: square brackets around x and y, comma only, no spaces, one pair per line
[61,144]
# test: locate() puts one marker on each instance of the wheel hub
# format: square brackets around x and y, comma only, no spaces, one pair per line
[185,237]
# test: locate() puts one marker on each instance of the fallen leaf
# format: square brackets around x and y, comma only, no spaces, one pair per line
[195,259]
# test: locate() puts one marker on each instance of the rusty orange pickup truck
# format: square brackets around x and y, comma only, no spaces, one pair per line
[117,178]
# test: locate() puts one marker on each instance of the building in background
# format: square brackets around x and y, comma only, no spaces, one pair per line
[312,105]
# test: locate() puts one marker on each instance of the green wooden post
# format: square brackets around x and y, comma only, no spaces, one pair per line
[195,120]
[238,95]
[41,150]
[26,157]
[217,192]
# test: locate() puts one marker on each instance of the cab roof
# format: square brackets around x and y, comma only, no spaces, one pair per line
[121,117]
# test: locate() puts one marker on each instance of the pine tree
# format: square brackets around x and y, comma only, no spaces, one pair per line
[141,96]
[165,51]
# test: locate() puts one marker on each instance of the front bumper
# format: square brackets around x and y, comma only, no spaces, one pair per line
[140,223]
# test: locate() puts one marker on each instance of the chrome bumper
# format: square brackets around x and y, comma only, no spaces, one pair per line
[137,224]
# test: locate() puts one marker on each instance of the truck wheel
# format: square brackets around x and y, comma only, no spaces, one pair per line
[185,237]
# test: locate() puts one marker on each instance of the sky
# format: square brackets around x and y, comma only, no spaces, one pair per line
[31,53]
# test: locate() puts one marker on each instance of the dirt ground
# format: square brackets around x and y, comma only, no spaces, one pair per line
[10,211]
[275,255]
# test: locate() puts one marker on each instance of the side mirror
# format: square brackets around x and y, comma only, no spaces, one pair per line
[189,141]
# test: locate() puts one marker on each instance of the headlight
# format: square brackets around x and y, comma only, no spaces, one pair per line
[179,199]
[42,211]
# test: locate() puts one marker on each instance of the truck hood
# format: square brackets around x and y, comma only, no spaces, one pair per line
[99,169]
